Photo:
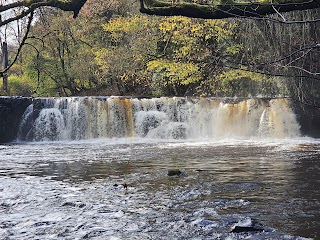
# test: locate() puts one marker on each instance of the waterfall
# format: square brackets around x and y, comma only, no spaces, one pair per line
[49,126]
[52,119]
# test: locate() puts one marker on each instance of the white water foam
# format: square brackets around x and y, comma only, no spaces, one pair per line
[158,118]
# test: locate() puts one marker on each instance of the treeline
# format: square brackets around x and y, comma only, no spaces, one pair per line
[111,49]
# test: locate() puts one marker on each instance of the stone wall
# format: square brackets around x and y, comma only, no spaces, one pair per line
[11,111]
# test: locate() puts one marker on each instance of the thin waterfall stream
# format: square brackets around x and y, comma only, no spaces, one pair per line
[97,168]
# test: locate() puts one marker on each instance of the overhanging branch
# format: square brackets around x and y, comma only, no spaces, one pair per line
[219,11]
[31,5]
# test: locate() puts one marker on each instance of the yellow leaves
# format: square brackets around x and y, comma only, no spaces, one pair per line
[120,26]
[168,51]
[138,58]
[178,72]
[185,50]
[239,74]
[154,66]
[100,56]
[184,37]
[196,28]
[124,77]
[167,27]
[188,37]
[170,24]
[233,49]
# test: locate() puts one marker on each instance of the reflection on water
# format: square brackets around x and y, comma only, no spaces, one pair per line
[72,190]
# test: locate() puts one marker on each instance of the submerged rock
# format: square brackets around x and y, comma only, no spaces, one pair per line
[201,170]
[124,185]
[240,229]
[74,204]
[175,172]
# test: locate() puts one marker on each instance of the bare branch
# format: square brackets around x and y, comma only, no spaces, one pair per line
[283,18]
[21,44]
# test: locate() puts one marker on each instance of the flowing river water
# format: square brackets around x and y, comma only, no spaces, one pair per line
[243,164]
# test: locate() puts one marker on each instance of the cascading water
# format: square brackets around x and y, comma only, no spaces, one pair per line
[166,118]
[49,125]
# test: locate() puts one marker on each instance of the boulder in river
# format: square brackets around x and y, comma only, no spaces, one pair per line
[247,225]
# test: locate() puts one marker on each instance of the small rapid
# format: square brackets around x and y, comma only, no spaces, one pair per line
[56,119]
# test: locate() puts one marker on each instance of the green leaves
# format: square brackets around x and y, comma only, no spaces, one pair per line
[176,50]
[174,72]
[132,54]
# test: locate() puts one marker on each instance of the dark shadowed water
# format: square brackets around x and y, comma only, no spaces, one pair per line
[72,190]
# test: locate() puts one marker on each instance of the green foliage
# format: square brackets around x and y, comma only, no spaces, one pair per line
[20,83]
[238,75]
[238,82]
[177,53]
[112,51]
[196,47]
[175,72]
[62,61]
[20,86]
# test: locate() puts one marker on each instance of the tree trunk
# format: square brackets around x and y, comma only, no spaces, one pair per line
[4,66]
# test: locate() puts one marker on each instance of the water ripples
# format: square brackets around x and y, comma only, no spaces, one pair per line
[76,191]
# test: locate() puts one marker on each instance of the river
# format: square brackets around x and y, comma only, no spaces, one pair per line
[72,190]
[88,168]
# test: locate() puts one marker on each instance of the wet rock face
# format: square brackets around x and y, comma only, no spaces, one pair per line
[11,111]
[309,119]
